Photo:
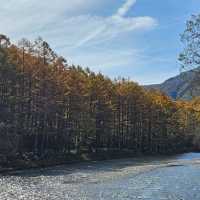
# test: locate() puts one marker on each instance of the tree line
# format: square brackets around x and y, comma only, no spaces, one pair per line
[48,106]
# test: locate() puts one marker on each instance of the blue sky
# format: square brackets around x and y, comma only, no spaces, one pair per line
[138,39]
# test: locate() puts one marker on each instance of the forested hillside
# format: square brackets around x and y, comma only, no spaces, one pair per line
[49,108]
[179,87]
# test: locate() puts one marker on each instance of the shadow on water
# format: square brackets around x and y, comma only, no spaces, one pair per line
[102,166]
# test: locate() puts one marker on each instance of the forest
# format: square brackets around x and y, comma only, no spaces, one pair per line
[49,108]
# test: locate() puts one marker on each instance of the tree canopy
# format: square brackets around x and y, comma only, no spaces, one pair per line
[48,106]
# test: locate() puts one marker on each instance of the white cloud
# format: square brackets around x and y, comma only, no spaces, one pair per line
[33,7]
[125,8]
[68,20]
[109,27]
[28,16]
[74,28]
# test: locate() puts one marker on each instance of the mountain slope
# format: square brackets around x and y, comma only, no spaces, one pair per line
[179,87]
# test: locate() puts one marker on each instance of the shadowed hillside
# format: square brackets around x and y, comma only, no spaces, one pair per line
[179,87]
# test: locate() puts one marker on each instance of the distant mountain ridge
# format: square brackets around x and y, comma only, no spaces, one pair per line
[179,87]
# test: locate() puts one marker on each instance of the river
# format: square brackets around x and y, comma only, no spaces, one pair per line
[149,178]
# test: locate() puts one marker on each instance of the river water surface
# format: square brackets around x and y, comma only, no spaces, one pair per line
[168,178]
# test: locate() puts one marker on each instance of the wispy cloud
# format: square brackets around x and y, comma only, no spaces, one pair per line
[74,29]
[25,17]
[109,27]
[31,17]
[125,8]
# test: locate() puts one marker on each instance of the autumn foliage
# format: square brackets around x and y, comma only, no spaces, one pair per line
[49,106]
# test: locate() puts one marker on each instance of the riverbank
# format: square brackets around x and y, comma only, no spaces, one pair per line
[54,160]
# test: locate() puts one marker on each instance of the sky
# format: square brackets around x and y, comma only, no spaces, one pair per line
[135,39]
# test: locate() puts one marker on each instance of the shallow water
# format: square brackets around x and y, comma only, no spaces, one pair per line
[169,178]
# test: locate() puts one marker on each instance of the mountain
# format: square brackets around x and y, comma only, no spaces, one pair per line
[179,87]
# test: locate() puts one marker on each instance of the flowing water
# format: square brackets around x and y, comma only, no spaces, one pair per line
[149,178]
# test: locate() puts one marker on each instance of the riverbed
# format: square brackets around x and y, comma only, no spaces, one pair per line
[149,178]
